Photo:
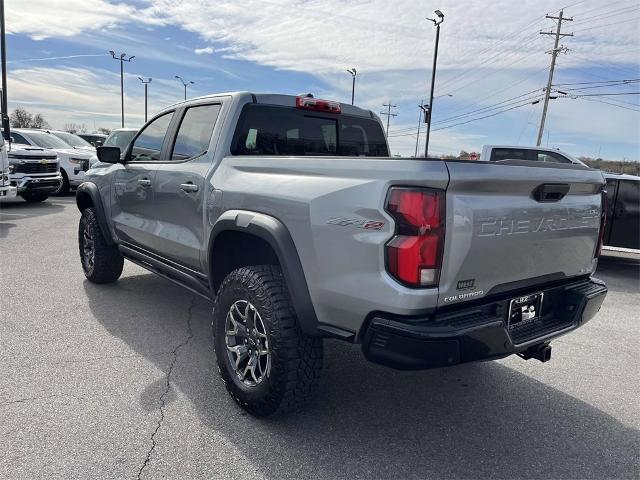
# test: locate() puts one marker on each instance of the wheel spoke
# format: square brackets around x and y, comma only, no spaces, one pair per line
[247,343]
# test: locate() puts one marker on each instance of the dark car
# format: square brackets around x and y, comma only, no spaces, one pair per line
[95,139]
[622,230]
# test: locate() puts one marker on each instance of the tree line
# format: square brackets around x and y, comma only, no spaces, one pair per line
[21,118]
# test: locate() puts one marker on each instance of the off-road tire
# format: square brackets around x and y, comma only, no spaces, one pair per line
[107,260]
[296,359]
[34,197]
[64,186]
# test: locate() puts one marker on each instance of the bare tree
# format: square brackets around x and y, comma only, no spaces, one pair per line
[75,127]
[105,131]
[20,118]
[39,122]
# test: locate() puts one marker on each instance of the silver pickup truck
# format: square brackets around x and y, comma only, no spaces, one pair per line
[290,215]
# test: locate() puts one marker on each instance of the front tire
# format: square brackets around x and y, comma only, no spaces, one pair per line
[34,197]
[267,363]
[65,186]
[101,263]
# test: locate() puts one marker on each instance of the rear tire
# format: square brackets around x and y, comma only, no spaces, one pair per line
[34,197]
[101,263]
[287,376]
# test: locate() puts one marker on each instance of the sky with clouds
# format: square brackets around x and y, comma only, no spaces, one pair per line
[492,63]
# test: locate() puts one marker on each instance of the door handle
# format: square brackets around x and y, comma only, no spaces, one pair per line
[189,187]
[144,182]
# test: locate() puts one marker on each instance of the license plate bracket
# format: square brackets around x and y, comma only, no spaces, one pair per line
[524,310]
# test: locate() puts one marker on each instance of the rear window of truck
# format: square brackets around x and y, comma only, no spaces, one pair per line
[273,130]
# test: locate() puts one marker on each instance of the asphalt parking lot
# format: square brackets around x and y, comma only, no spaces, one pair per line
[119,381]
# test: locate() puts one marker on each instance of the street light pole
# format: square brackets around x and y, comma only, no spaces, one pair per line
[146,83]
[3,60]
[184,84]
[422,112]
[122,58]
[429,114]
[353,73]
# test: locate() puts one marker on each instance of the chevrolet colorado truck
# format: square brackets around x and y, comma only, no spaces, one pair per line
[289,214]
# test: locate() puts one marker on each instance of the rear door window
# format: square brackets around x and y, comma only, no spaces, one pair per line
[195,132]
[273,130]
[498,154]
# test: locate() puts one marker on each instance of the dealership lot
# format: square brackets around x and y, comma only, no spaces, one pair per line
[119,381]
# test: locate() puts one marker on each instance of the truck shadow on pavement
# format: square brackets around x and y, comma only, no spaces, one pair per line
[471,421]
[17,209]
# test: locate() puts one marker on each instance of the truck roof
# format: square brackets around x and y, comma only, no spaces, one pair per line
[279,99]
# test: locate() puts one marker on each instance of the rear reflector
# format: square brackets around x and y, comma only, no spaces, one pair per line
[414,254]
[318,105]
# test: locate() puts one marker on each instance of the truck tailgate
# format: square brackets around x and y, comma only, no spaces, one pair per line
[510,226]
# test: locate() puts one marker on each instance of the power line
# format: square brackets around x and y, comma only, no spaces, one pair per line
[607,25]
[476,119]
[607,103]
[481,118]
[604,81]
[605,94]
[621,11]
[490,107]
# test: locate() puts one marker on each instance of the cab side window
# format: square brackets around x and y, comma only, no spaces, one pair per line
[195,132]
[552,157]
[148,145]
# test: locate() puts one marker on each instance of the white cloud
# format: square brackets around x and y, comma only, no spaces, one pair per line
[42,19]
[203,51]
[66,95]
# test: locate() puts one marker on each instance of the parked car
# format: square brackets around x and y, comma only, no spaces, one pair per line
[622,231]
[73,140]
[493,153]
[289,214]
[73,162]
[95,139]
[120,137]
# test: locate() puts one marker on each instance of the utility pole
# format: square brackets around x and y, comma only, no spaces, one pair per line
[554,54]
[146,83]
[122,58]
[184,84]
[421,115]
[3,60]
[388,114]
[428,115]
[353,73]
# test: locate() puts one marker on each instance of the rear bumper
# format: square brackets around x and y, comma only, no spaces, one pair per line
[480,332]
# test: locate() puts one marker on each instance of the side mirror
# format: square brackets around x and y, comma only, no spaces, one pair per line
[108,154]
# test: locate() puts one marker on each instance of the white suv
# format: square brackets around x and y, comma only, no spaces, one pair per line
[73,162]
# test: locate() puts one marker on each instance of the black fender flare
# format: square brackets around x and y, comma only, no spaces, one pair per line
[273,231]
[91,190]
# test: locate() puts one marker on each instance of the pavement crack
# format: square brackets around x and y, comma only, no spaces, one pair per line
[147,460]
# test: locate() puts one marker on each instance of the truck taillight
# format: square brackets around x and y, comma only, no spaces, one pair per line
[603,223]
[309,103]
[414,254]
